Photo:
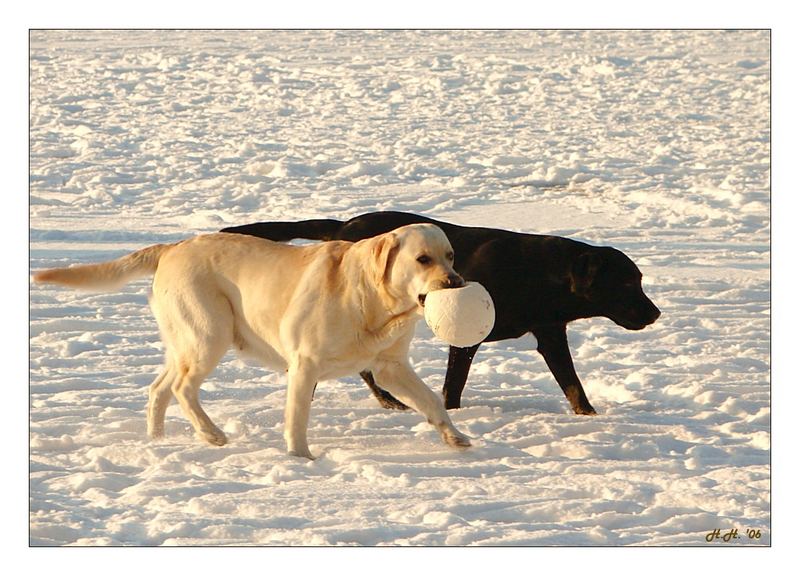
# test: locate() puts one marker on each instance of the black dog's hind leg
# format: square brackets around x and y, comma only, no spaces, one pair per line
[386,400]
[553,346]
[458,365]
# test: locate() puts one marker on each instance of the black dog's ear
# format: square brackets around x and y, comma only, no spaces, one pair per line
[583,272]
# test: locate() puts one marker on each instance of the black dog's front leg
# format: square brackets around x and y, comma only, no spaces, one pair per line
[553,346]
[458,365]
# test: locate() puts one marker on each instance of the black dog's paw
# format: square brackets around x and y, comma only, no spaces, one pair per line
[384,398]
[390,402]
[585,410]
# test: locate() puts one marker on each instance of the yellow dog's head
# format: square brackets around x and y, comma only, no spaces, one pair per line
[414,260]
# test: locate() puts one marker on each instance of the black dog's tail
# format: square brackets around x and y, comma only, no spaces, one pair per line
[285,231]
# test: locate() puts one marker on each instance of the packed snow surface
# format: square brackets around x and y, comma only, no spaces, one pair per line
[654,142]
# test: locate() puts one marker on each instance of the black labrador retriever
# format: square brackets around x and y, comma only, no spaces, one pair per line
[538,284]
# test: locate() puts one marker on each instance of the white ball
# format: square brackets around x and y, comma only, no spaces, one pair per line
[462,317]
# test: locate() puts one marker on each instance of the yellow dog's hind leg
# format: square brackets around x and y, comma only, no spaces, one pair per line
[197,329]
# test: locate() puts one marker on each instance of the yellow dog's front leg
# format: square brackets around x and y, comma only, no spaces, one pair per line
[398,378]
[395,327]
[302,381]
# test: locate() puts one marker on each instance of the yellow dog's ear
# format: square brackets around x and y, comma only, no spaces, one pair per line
[384,251]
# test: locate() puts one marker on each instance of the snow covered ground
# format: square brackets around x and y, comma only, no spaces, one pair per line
[657,143]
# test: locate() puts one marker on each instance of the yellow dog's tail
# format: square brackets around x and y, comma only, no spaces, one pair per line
[108,275]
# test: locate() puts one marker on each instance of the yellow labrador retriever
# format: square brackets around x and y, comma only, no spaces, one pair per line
[318,312]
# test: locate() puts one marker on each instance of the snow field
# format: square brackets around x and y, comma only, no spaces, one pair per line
[656,143]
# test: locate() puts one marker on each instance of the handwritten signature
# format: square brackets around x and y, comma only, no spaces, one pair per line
[732,534]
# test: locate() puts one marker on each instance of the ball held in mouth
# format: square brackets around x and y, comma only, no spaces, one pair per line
[461,317]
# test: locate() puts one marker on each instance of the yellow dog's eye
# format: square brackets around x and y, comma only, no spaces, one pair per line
[450,256]
[424,259]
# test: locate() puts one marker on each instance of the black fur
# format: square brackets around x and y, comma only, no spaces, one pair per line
[538,284]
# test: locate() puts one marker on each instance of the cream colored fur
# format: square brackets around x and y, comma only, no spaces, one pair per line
[318,312]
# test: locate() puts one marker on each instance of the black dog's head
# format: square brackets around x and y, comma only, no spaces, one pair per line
[611,284]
